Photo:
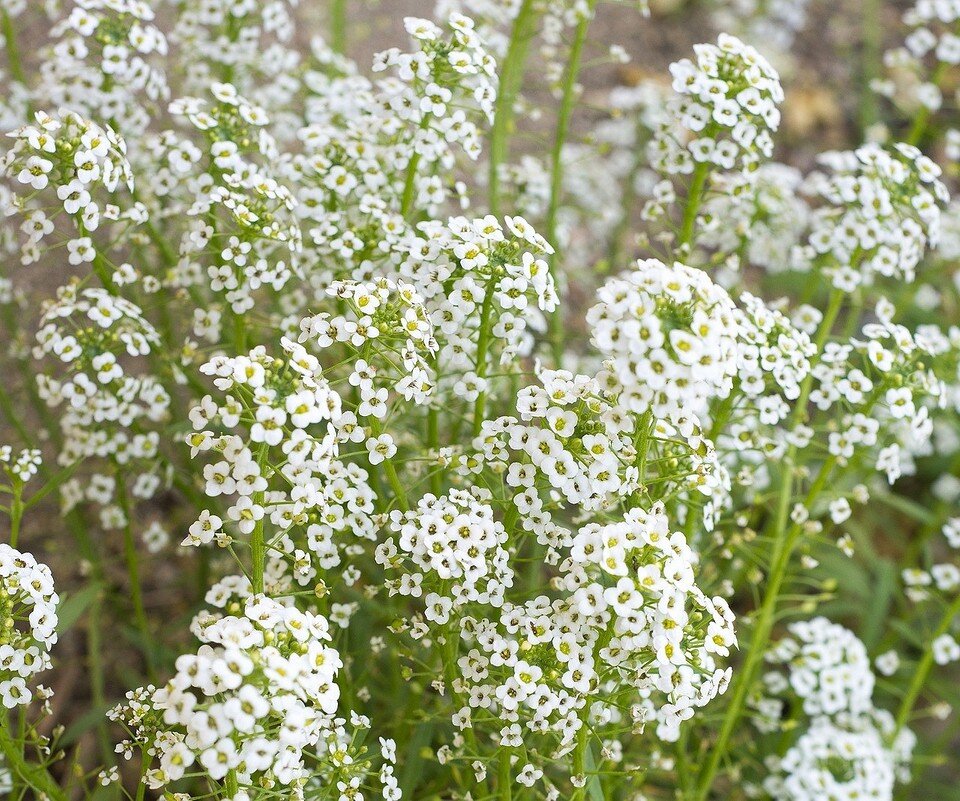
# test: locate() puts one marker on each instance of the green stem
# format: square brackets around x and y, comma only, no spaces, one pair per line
[338,26]
[871,61]
[784,542]
[504,777]
[922,118]
[133,569]
[230,784]
[567,101]
[16,511]
[97,680]
[511,77]
[144,766]
[258,546]
[483,345]
[694,198]
[924,666]
[580,762]
[391,471]
[36,777]
[13,51]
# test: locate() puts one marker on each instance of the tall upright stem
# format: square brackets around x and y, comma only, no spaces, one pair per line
[258,548]
[784,540]
[924,665]
[694,199]
[338,26]
[511,76]
[567,100]
[133,568]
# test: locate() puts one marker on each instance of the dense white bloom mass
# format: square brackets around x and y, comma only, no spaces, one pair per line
[669,337]
[28,609]
[436,459]
[255,698]
[726,105]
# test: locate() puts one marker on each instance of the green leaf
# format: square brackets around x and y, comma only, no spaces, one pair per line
[905,506]
[73,606]
[413,762]
[88,721]
[594,788]
[878,610]
[52,483]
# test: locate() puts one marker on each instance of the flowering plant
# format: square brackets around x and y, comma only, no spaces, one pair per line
[375,452]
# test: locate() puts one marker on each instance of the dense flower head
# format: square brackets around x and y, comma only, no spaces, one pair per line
[94,336]
[774,357]
[917,69]
[237,198]
[668,635]
[380,319]
[568,437]
[669,337]
[254,699]
[828,667]
[28,607]
[454,539]
[85,165]
[883,209]
[106,60]
[761,217]
[725,107]
[847,748]
[845,759]
[22,465]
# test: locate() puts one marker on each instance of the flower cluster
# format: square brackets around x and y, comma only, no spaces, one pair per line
[81,162]
[917,70]
[271,402]
[105,62]
[262,238]
[21,466]
[568,439]
[28,607]
[882,211]
[382,318]
[452,544]
[850,749]
[253,701]
[669,337]
[668,636]
[109,408]
[725,107]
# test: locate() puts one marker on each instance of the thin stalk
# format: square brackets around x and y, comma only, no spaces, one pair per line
[96,672]
[922,118]
[504,777]
[258,546]
[871,60]
[784,542]
[144,766]
[399,492]
[36,777]
[13,51]
[483,345]
[580,762]
[511,77]
[433,443]
[924,666]
[338,26]
[16,512]
[694,198]
[132,558]
[567,100]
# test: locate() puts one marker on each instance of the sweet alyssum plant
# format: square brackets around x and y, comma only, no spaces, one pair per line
[624,471]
